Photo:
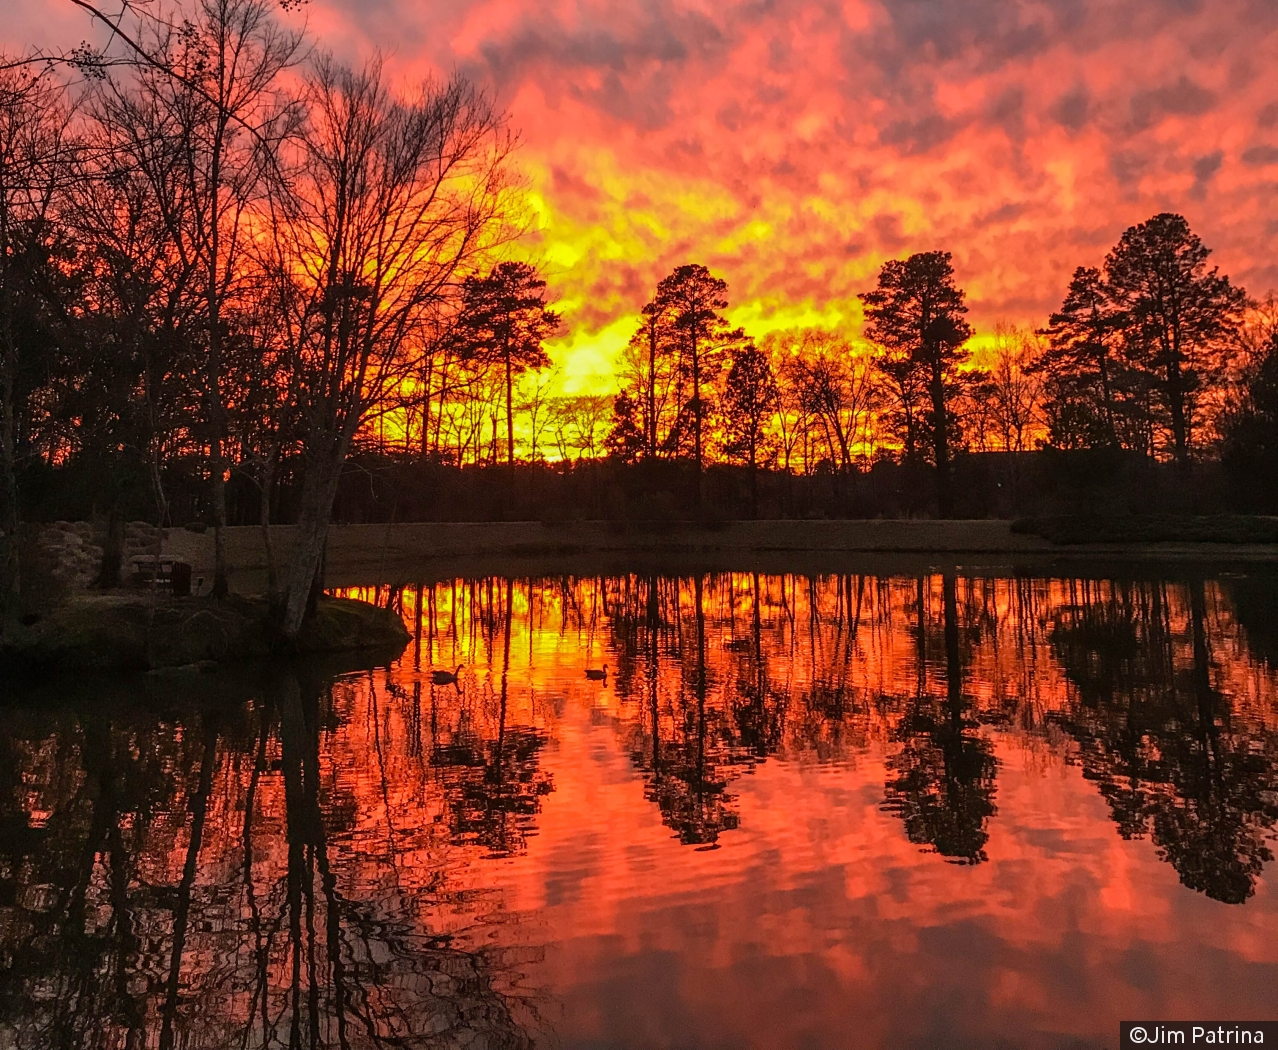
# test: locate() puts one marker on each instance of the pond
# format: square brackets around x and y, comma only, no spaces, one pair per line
[705,811]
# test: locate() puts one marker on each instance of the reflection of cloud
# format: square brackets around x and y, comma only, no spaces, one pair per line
[763,139]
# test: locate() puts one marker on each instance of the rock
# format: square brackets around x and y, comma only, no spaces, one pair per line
[120,631]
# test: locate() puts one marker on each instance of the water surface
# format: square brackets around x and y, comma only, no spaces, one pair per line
[951,810]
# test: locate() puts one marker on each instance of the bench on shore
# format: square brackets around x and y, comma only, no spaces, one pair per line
[165,571]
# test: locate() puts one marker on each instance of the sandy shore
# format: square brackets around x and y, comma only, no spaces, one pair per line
[418,552]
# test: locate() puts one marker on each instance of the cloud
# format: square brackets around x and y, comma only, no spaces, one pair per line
[1182,98]
[794,145]
[1071,109]
[1259,156]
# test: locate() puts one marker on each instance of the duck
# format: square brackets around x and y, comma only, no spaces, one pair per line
[597,676]
[446,677]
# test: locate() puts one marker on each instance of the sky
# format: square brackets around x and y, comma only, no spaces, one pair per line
[794,145]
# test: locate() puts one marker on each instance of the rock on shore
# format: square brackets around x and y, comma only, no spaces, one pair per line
[135,632]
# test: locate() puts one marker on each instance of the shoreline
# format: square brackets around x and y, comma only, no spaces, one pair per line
[419,551]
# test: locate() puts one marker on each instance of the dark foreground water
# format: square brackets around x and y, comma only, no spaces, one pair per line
[798,812]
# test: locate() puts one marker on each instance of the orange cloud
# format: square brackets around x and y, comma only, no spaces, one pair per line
[793,146]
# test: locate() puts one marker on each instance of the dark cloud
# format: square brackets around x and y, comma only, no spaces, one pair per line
[1008,112]
[731,116]
[921,135]
[1071,110]
[887,230]
[1183,98]
[1268,117]
[1128,166]
[1005,213]
[571,184]
[1259,156]
[998,30]
[636,58]
[1205,168]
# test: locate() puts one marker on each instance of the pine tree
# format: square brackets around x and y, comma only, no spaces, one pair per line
[504,321]
[916,316]
[1178,317]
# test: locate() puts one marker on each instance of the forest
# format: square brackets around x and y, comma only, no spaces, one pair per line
[242,283]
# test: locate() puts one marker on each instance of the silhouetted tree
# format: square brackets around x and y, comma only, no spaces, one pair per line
[1082,366]
[625,440]
[749,401]
[837,391]
[394,198]
[651,361]
[916,315]
[503,322]
[36,156]
[1178,317]
[694,297]
[1249,433]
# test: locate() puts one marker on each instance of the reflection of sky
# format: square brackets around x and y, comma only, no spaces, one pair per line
[817,919]
[511,827]
[793,146]
[816,916]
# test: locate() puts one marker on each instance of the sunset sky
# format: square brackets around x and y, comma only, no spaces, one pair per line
[793,145]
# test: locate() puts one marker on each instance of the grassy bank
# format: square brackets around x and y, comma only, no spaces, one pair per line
[122,631]
[367,553]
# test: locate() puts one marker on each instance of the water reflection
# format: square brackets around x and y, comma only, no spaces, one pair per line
[195,881]
[325,856]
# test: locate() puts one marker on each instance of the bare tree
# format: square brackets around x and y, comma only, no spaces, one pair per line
[1010,400]
[205,93]
[35,151]
[839,390]
[578,424]
[535,404]
[394,197]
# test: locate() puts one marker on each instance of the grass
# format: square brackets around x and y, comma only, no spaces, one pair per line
[1151,528]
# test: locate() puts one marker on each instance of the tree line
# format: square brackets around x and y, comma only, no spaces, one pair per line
[1156,353]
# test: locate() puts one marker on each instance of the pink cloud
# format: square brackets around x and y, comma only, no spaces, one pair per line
[794,146]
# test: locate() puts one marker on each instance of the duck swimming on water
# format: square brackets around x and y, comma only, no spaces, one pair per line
[597,676]
[446,677]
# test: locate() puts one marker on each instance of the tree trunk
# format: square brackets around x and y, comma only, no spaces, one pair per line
[109,572]
[652,392]
[10,516]
[319,490]
[217,410]
[1176,406]
[696,414]
[264,518]
[754,481]
[940,440]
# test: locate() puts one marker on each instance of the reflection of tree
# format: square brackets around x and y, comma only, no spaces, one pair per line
[758,711]
[1162,743]
[493,787]
[1255,604]
[359,970]
[942,781]
[685,742]
[150,895]
[686,782]
[76,916]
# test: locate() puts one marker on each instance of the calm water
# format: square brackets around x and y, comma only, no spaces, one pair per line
[798,812]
